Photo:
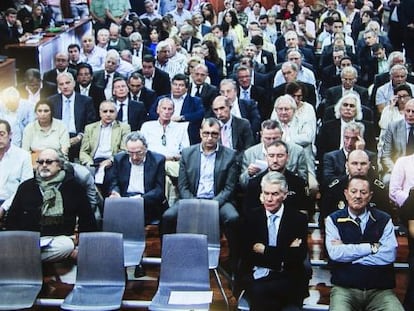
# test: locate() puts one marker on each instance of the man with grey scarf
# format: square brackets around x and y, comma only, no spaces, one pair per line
[52,203]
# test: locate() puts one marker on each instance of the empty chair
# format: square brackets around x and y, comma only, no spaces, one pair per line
[20,269]
[184,267]
[100,279]
[126,216]
[202,217]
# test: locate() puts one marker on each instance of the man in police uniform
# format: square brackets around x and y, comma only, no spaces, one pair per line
[357,164]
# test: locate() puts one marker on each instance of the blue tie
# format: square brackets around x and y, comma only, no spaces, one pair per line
[272,230]
[66,113]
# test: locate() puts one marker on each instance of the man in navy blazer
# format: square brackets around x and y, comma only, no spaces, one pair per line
[68,101]
[187,108]
[127,181]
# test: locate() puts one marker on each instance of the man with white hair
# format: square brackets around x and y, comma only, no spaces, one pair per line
[102,38]
[138,49]
[164,62]
[116,41]
[92,54]
[104,78]
[292,41]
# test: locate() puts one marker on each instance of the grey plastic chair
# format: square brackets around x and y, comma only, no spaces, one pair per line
[184,267]
[126,216]
[100,279]
[202,217]
[20,269]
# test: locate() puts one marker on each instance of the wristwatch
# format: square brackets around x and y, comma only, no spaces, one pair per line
[374,248]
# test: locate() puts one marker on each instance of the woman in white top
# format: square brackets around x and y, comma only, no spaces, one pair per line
[45,132]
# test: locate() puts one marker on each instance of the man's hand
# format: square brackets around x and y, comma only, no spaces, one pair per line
[360,143]
[296,242]
[105,163]
[336,242]
[75,140]
[253,169]
[259,248]
[115,194]
[177,118]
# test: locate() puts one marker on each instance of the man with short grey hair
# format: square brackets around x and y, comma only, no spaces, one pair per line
[139,172]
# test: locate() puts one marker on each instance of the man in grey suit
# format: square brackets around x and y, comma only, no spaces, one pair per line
[235,132]
[254,158]
[208,171]
[398,140]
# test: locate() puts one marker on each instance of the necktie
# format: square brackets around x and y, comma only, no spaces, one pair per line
[121,112]
[135,97]
[66,113]
[107,80]
[358,220]
[272,230]
[224,137]
[197,93]
[245,94]
[410,142]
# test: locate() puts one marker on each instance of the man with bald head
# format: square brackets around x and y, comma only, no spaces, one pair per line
[52,203]
[357,164]
[61,65]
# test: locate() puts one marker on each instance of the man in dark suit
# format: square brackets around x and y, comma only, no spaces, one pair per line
[235,132]
[86,86]
[330,74]
[241,108]
[129,111]
[61,65]
[249,91]
[292,41]
[266,57]
[334,161]
[275,248]
[104,78]
[277,157]
[187,37]
[138,49]
[11,30]
[138,92]
[33,88]
[74,109]
[227,45]
[290,73]
[349,77]
[187,108]
[149,184]
[200,88]
[208,171]
[155,79]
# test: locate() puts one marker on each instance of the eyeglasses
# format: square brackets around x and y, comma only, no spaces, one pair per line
[108,110]
[212,134]
[164,140]
[403,96]
[47,161]
[137,153]
[348,105]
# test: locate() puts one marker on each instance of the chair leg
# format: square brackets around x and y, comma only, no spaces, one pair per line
[220,285]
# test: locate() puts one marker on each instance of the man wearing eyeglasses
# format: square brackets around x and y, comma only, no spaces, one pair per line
[15,167]
[52,203]
[139,172]
[208,171]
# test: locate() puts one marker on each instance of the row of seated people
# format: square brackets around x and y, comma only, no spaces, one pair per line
[274,251]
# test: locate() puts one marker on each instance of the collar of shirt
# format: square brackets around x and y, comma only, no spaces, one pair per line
[107,125]
[279,213]
[364,216]
[125,102]
[141,164]
[84,89]
[228,123]
[208,154]
[181,98]
[71,97]
[37,92]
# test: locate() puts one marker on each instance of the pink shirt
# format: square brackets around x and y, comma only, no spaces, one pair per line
[402,179]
